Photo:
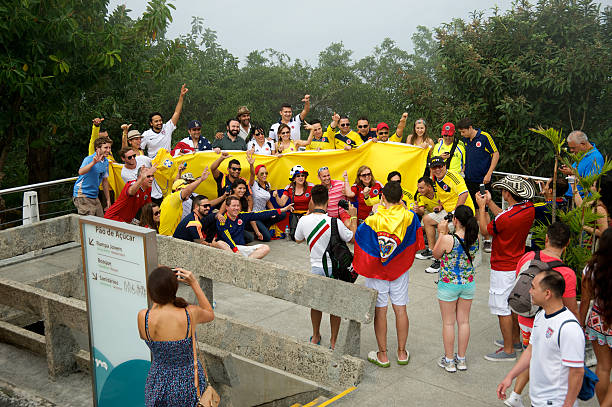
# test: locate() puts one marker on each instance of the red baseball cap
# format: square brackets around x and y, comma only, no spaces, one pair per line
[448,129]
[382,125]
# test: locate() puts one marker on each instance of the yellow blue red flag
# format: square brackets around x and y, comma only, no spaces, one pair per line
[385,244]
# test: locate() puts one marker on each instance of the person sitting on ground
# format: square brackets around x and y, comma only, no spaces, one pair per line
[298,192]
[238,189]
[315,229]
[319,141]
[557,239]
[597,286]
[149,216]
[224,182]
[231,140]
[419,136]
[172,205]
[168,329]
[133,196]
[92,173]
[258,143]
[132,163]
[131,138]
[365,185]
[261,201]
[456,284]
[385,245]
[555,355]
[200,225]
[286,117]
[344,138]
[230,228]
[509,230]
[443,149]
[195,142]
[160,134]
[451,192]
[286,144]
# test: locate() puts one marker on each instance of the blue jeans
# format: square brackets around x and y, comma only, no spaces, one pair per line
[264,226]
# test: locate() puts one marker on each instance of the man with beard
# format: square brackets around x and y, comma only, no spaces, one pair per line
[160,134]
[244,117]
[199,226]
[231,140]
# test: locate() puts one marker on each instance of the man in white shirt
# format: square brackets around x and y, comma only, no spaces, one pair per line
[160,134]
[294,123]
[132,161]
[315,229]
[555,355]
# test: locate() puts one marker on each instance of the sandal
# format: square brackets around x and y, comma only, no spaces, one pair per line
[373,357]
[318,343]
[403,361]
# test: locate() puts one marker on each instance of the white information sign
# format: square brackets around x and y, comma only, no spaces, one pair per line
[116,259]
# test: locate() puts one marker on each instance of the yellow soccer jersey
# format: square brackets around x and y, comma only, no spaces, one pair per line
[428,204]
[458,161]
[171,211]
[448,190]
[351,139]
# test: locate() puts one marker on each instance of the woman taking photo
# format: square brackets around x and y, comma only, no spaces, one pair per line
[258,143]
[297,192]
[149,216]
[597,286]
[285,144]
[261,201]
[167,330]
[456,284]
[365,186]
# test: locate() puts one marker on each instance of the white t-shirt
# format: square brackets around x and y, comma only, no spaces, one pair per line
[260,197]
[245,133]
[130,175]
[154,141]
[316,229]
[295,123]
[267,149]
[549,366]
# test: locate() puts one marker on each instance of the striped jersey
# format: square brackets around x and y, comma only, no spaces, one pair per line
[316,230]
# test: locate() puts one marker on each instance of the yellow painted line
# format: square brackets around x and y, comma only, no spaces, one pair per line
[296,405]
[312,403]
[339,396]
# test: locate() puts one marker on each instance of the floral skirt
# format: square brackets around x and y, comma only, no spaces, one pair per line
[595,330]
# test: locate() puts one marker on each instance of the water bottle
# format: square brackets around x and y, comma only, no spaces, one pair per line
[287,232]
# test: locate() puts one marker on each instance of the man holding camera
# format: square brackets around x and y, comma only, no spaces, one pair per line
[451,191]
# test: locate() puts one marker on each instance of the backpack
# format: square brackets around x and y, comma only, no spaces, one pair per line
[340,255]
[590,379]
[519,299]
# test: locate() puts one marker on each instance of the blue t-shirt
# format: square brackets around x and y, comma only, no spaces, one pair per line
[479,152]
[87,185]
[591,163]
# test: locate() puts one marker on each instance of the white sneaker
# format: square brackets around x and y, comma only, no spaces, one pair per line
[448,366]
[487,246]
[515,400]
[424,255]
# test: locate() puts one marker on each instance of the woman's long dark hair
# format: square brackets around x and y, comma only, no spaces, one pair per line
[599,275]
[465,216]
[244,202]
[146,216]
[163,285]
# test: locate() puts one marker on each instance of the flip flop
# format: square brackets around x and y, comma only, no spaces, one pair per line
[404,361]
[373,357]
[318,343]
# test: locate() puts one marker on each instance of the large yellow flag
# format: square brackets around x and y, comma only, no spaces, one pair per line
[382,158]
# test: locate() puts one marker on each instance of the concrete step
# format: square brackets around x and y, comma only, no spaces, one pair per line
[314,403]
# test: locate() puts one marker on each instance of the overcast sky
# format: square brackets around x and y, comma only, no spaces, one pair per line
[302,29]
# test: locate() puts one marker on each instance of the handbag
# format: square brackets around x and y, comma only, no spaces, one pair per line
[210,397]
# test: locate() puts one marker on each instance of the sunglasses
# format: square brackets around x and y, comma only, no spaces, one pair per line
[205,205]
[157,213]
[322,169]
[286,132]
[264,173]
[367,174]
[259,134]
[129,157]
[365,126]
[150,176]
[345,124]
[300,175]
[235,169]
[383,132]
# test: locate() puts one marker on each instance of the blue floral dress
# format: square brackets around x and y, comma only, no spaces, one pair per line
[455,267]
[171,377]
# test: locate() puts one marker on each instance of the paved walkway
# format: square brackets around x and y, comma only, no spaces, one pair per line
[420,383]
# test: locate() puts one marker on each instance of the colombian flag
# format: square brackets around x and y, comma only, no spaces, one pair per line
[385,244]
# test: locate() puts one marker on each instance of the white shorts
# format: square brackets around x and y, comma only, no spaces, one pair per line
[247,250]
[319,271]
[396,289]
[438,217]
[499,290]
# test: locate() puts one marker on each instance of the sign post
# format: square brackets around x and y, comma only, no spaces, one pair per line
[117,258]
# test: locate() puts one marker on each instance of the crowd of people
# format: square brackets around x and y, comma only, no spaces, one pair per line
[445,218]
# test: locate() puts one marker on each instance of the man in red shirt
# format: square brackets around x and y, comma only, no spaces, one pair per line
[557,239]
[509,230]
[133,196]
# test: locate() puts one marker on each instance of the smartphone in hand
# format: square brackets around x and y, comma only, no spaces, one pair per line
[483,190]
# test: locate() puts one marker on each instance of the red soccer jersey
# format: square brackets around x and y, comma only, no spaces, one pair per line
[568,275]
[363,210]
[125,207]
[300,201]
[509,230]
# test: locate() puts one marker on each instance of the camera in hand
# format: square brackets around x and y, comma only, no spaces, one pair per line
[344,204]
[449,217]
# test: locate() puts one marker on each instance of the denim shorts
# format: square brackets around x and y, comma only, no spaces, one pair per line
[452,292]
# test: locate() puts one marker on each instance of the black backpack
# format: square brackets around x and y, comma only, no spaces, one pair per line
[340,255]
[520,299]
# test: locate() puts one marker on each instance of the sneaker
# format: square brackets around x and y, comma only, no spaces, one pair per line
[461,365]
[501,356]
[424,255]
[500,343]
[448,366]
[515,400]
[487,246]
[434,268]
